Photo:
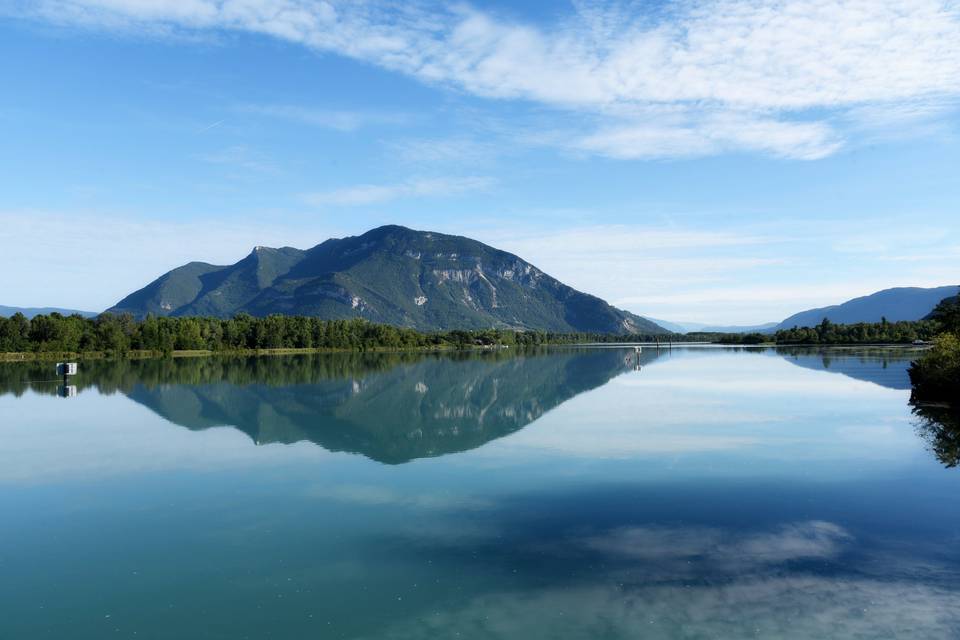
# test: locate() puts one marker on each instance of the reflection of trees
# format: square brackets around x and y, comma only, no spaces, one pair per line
[939,426]
[390,407]
[109,376]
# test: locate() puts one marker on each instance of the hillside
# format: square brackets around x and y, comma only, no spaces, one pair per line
[29,312]
[903,303]
[394,275]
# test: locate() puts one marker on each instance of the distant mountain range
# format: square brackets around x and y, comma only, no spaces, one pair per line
[29,312]
[902,303]
[689,327]
[423,280]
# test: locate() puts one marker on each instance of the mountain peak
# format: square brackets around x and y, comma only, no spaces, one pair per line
[391,274]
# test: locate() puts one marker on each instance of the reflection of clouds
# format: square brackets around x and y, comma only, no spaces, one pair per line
[804,540]
[717,402]
[815,384]
[776,607]
[375,495]
[704,582]
[91,437]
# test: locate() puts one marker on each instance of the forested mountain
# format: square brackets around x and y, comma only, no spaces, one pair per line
[904,303]
[427,281]
[29,312]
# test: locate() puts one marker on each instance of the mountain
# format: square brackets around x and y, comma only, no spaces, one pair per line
[767,327]
[29,312]
[903,303]
[394,275]
[689,327]
[673,327]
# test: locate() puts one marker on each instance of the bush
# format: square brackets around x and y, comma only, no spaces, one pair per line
[936,375]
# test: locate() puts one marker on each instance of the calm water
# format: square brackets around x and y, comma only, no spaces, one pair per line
[714,493]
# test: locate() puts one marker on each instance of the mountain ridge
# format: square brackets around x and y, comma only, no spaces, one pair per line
[30,312]
[391,274]
[894,304]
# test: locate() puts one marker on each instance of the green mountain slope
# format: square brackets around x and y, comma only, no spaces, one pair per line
[902,303]
[427,281]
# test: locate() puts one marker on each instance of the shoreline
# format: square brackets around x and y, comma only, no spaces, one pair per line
[200,353]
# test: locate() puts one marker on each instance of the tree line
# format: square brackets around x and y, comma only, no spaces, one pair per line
[883,332]
[123,334]
[830,333]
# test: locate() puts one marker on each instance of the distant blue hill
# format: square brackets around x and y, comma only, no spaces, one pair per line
[688,327]
[29,312]
[903,303]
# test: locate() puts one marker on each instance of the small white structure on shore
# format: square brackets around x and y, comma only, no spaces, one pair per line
[66,369]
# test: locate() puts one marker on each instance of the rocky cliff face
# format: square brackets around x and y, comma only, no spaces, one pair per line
[428,281]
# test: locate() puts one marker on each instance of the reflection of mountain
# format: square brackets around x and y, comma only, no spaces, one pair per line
[885,367]
[429,407]
[389,407]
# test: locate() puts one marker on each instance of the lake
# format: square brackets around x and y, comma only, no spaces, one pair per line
[697,492]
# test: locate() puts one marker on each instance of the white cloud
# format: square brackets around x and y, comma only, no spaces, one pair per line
[697,77]
[341,120]
[694,134]
[366,194]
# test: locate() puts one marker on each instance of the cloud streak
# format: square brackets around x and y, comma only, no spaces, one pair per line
[337,120]
[787,78]
[368,194]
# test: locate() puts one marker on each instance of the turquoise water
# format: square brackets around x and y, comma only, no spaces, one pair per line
[709,493]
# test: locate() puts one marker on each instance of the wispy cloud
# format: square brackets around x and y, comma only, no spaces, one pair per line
[242,157]
[789,78]
[459,150]
[366,194]
[338,120]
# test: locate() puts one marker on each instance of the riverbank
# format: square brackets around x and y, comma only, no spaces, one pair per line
[194,353]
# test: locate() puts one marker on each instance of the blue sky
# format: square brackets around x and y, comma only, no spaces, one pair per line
[714,161]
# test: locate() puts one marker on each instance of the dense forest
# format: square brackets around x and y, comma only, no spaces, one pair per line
[122,334]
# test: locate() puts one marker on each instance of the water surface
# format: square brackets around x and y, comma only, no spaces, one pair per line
[569,493]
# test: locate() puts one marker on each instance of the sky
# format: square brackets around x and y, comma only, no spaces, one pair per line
[693,160]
